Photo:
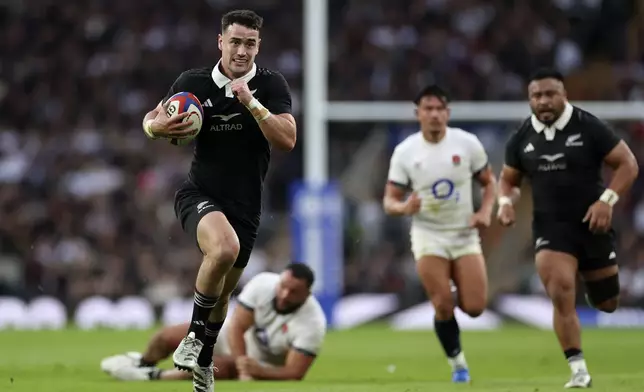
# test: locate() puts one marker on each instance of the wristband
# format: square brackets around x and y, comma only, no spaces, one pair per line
[258,110]
[505,201]
[147,128]
[609,197]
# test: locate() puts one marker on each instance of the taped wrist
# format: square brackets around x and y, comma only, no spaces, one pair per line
[504,200]
[609,197]
[147,129]
[259,112]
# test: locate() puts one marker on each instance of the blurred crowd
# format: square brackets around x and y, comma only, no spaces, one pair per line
[86,199]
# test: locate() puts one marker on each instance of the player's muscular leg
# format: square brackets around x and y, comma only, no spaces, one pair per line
[220,246]
[434,273]
[602,287]
[558,272]
[470,276]
[230,283]
[163,343]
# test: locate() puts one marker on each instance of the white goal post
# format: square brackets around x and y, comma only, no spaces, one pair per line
[318,111]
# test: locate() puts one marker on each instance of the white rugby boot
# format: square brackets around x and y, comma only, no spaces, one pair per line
[185,356]
[203,379]
[580,379]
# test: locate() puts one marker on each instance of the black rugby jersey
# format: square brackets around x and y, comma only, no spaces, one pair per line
[231,154]
[563,163]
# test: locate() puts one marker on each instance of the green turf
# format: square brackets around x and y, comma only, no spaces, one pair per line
[368,359]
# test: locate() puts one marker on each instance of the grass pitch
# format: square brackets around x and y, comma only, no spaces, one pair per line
[368,359]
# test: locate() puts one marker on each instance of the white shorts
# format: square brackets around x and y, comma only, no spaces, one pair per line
[450,245]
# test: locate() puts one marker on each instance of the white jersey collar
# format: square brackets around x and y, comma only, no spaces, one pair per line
[560,124]
[222,80]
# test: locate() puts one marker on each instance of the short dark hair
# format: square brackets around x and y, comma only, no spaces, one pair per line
[301,271]
[246,18]
[546,73]
[432,90]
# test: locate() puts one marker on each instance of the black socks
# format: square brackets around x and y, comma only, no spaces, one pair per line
[573,354]
[200,313]
[449,335]
[211,333]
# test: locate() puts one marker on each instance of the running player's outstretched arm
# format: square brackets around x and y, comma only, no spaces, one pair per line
[308,341]
[483,173]
[511,173]
[398,185]
[275,119]
[620,158]
[296,366]
[244,315]
[243,318]
[393,201]
[509,182]
[615,153]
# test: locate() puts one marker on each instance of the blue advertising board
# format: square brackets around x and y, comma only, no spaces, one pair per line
[317,238]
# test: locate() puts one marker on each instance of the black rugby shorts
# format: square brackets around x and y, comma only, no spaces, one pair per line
[593,251]
[190,205]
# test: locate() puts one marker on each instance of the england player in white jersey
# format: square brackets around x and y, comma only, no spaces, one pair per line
[436,166]
[275,333]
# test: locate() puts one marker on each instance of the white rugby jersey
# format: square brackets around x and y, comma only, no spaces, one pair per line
[274,334]
[441,174]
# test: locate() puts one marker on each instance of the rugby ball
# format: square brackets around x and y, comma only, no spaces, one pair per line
[181,103]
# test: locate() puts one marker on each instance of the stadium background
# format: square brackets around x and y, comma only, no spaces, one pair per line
[86,201]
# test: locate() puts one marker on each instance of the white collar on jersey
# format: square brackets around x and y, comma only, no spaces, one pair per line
[560,124]
[222,80]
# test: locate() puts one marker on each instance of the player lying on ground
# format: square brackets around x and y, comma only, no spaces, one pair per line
[437,166]
[219,206]
[275,333]
[561,149]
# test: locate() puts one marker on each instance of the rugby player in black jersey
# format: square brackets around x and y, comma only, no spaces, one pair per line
[561,150]
[247,111]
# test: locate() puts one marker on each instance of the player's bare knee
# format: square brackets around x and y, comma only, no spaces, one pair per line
[473,309]
[221,252]
[444,306]
[473,303]
[218,241]
[560,291]
[228,251]
[473,312]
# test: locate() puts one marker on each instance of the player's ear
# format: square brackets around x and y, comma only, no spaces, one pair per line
[259,41]
[220,41]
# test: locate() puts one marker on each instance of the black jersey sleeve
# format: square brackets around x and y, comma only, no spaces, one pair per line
[177,87]
[604,138]
[279,100]
[512,151]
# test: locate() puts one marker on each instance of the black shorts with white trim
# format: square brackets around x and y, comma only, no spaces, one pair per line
[593,251]
[191,205]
